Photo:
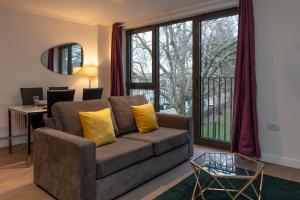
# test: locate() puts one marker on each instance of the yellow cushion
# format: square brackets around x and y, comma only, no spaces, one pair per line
[98,126]
[145,117]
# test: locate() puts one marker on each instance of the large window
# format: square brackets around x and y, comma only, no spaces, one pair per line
[187,67]
[160,66]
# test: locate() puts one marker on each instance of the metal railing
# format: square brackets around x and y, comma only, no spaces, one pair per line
[216,108]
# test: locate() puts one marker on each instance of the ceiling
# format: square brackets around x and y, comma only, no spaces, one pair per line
[104,12]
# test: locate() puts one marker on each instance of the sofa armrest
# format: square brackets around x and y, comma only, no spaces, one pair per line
[173,121]
[64,164]
[178,122]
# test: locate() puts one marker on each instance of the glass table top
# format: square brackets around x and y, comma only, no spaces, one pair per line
[228,165]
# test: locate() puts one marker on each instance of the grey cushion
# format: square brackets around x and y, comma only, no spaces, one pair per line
[162,139]
[66,117]
[110,187]
[121,154]
[121,107]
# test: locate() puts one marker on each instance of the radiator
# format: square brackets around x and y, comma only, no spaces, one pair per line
[18,121]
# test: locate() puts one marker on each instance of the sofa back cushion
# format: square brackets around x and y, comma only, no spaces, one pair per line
[124,116]
[66,115]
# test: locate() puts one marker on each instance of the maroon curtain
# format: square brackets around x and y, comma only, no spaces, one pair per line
[51,59]
[245,131]
[117,86]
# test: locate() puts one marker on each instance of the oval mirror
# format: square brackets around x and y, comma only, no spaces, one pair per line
[64,59]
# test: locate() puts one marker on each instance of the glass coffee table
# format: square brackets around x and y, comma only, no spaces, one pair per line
[231,173]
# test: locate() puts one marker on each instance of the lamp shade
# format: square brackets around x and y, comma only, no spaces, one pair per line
[90,71]
[75,69]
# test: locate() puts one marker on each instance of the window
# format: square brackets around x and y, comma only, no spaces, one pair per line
[175,68]
[187,67]
[140,73]
[141,60]
[164,75]
[218,57]
[149,94]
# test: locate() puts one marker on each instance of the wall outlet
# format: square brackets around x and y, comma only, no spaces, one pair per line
[273,127]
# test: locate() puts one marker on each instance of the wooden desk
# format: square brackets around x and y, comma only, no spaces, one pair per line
[27,111]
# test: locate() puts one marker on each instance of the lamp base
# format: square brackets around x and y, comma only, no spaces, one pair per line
[90,82]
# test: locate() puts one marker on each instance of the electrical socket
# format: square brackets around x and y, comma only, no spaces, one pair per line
[273,127]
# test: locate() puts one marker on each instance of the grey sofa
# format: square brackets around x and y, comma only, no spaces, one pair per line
[70,167]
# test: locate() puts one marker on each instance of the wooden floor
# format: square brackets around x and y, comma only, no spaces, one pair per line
[16,180]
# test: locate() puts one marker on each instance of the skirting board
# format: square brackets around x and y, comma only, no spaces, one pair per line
[280,160]
[15,141]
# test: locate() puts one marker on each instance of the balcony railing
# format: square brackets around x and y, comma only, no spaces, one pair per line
[216,108]
[216,105]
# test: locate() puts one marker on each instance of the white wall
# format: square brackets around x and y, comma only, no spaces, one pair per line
[24,37]
[278,72]
[104,44]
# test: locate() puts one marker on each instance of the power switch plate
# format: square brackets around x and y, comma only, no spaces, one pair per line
[273,127]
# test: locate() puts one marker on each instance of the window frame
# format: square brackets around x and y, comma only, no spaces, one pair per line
[142,86]
[197,66]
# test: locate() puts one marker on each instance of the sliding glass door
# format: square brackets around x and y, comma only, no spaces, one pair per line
[217,45]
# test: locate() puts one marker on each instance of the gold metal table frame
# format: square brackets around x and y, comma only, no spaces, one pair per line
[233,192]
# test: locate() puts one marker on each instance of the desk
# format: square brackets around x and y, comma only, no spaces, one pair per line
[27,111]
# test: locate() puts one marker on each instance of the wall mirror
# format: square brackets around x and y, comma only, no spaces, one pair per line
[66,59]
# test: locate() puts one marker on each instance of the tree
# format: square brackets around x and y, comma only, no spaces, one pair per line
[218,50]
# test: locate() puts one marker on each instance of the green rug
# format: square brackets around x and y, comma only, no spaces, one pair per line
[273,189]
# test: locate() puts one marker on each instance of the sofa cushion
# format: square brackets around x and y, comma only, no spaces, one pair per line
[145,118]
[66,117]
[121,107]
[121,154]
[162,139]
[98,126]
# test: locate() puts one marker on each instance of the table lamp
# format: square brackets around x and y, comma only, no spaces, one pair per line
[75,70]
[90,72]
